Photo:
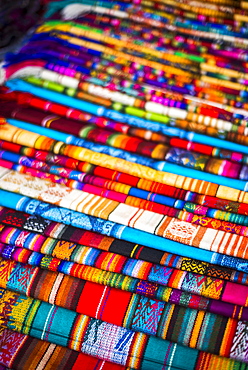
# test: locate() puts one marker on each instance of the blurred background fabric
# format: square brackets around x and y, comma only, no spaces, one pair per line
[17,17]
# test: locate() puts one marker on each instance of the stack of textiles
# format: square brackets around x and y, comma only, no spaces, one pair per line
[123,188]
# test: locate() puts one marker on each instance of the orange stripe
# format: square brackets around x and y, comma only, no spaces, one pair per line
[196,329]
[228,336]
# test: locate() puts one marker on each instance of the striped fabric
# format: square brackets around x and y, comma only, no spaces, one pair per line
[123,188]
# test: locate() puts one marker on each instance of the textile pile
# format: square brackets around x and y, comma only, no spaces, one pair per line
[123,188]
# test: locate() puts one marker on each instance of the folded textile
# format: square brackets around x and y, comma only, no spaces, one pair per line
[179,118]
[49,172]
[62,358]
[209,332]
[187,281]
[9,133]
[71,244]
[108,228]
[157,151]
[40,353]
[122,214]
[106,297]
[101,177]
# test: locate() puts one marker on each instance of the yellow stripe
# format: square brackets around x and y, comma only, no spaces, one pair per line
[167,323]
[196,329]
[134,249]
[78,331]
[136,351]
[231,324]
[31,316]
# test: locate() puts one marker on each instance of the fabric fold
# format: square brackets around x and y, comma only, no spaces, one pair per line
[95,337]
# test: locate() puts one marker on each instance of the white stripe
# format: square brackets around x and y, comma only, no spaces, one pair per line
[82,205]
[72,197]
[172,356]
[216,242]
[103,363]
[46,322]
[237,246]
[123,213]
[244,252]
[99,305]
[78,257]
[55,287]
[46,357]
[3,171]
[135,218]
[232,242]
[148,221]
[206,241]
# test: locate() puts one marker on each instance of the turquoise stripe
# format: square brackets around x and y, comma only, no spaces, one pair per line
[161,351]
[49,325]
[205,334]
